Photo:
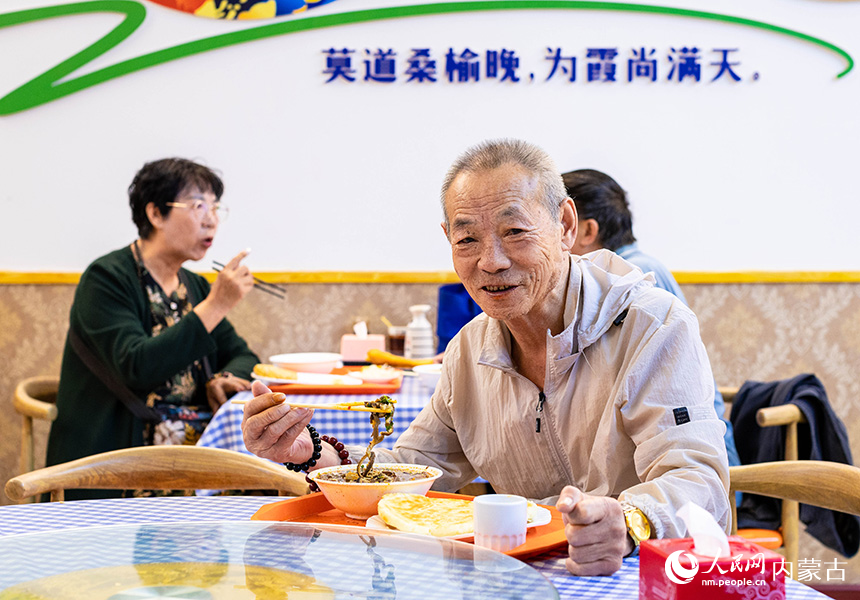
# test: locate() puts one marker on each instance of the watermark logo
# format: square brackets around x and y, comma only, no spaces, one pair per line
[678,573]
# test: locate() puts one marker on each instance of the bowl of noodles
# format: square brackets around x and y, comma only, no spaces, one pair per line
[358,496]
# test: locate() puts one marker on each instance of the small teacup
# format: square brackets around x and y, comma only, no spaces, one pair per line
[500,521]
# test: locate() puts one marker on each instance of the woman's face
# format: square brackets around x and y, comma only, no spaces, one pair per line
[188,230]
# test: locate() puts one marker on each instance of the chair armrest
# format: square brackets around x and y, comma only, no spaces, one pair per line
[779,415]
[36,409]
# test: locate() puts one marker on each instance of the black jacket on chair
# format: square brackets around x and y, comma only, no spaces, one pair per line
[823,437]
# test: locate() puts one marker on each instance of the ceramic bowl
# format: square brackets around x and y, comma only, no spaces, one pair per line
[308,362]
[359,500]
[428,375]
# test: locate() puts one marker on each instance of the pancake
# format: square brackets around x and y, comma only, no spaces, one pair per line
[441,517]
[414,513]
[273,372]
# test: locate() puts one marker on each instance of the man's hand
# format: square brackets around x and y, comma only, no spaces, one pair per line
[596,533]
[274,430]
[221,387]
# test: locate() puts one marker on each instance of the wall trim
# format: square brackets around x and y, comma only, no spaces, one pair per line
[440,277]
[768,277]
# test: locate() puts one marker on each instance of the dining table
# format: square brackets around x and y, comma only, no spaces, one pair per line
[78,540]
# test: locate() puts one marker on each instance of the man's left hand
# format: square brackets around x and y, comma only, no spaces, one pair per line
[596,533]
[221,387]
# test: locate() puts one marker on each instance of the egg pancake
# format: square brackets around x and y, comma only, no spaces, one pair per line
[414,513]
[273,372]
[441,517]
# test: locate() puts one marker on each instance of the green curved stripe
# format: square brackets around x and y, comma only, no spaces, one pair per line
[44,88]
[41,89]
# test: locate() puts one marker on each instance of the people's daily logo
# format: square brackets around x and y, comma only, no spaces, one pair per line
[678,573]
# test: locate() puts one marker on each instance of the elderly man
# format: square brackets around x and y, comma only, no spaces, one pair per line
[581,384]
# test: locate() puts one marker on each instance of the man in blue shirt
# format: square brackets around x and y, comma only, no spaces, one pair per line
[605,222]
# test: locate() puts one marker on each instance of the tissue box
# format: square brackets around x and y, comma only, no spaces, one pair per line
[354,348]
[670,569]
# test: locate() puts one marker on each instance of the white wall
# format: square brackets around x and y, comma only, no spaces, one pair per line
[723,176]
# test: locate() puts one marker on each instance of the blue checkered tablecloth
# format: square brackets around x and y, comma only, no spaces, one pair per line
[225,429]
[32,518]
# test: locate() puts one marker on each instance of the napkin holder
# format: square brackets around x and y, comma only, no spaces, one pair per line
[354,347]
[669,569]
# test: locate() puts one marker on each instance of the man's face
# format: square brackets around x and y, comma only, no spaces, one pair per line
[508,251]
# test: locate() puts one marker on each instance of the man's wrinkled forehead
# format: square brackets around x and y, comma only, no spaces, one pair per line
[508,212]
[511,183]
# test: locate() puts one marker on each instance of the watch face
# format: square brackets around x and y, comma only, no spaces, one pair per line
[637,525]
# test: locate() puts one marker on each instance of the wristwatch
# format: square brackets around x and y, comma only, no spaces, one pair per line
[638,527]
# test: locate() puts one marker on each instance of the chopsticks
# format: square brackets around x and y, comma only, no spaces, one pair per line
[356,406]
[263,286]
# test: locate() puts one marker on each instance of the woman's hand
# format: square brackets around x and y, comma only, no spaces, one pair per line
[221,388]
[272,429]
[233,282]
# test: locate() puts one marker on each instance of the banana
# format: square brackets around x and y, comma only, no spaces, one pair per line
[380,357]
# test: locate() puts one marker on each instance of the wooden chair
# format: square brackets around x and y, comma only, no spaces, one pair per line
[159,467]
[830,485]
[35,398]
[771,416]
[787,415]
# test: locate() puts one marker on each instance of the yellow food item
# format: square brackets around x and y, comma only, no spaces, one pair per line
[380,357]
[414,513]
[380,371]
[273,372]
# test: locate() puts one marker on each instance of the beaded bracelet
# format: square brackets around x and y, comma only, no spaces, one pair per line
[342,452]
[315,440]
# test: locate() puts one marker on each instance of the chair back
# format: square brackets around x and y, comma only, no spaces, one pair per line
[159,468]
[787,415]
[35,398]
[830,485]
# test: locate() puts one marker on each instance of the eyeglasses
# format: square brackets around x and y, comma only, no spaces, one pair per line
[201,208]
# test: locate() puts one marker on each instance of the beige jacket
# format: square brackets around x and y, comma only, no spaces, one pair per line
[612,393]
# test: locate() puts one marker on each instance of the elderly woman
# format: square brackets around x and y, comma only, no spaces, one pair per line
[150,355]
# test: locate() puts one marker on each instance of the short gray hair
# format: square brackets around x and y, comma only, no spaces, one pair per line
[493,154]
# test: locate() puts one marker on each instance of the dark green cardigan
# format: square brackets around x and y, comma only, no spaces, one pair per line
[111,315]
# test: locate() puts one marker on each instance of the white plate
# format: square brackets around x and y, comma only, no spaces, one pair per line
[311,379]
[308,362]
[542,517]
[378,377]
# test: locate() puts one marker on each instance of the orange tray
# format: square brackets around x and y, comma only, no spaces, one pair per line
[314,508]
[364,388]
[763,537]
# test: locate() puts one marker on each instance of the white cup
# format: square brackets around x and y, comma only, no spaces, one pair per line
[500,521]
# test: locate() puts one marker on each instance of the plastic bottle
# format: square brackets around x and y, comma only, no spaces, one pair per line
[419,334]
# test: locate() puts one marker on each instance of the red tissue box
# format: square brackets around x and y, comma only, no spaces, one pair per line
[669,569]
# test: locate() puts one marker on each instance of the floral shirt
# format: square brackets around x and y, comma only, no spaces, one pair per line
[181,400]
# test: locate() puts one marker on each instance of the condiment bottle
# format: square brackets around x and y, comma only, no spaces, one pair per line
[419,334]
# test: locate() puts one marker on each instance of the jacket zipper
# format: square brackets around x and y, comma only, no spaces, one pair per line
[539,411]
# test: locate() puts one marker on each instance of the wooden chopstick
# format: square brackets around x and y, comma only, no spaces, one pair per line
[356,406]
[263,286]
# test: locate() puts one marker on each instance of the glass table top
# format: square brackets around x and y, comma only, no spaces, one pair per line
[256,560]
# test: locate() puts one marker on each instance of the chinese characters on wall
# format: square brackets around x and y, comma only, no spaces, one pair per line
[608,65]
